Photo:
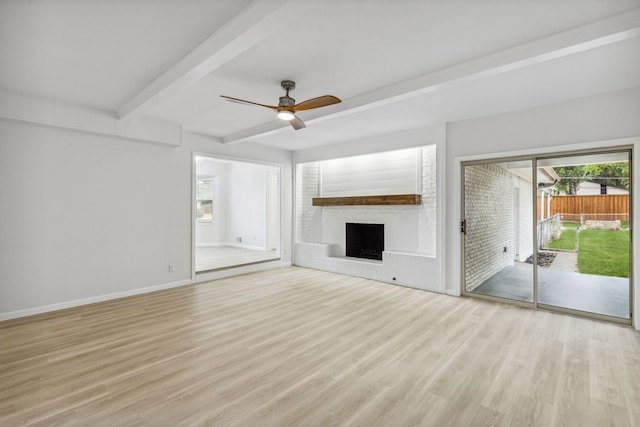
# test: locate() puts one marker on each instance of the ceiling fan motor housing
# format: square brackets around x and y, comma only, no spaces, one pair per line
[286,101]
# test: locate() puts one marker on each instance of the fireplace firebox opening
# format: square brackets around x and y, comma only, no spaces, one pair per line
[365,240]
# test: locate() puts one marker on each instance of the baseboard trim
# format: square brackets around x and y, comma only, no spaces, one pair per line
[91,300]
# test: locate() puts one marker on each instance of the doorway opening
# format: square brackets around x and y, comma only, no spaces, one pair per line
[551,232]
[236,213]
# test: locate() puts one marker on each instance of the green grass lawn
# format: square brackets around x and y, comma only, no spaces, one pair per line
[566,241]
[604,252]
[570,224]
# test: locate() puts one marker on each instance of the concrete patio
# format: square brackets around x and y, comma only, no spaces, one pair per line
[568,289]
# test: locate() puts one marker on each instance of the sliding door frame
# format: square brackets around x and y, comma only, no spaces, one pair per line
[534,187]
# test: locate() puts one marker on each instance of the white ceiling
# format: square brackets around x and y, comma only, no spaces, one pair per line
[396,65]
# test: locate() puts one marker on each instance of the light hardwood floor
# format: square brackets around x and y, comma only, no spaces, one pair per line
[299,347]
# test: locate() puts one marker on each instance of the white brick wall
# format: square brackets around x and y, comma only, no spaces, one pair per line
[427,215]
[490,211]
[308,217]
[399,268]
[400,224]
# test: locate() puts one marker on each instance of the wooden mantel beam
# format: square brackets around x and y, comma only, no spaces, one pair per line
[395,199]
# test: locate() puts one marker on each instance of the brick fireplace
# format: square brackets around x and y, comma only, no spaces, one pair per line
[407,255]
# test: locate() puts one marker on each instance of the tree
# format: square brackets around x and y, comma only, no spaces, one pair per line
[612,174]
[570,177]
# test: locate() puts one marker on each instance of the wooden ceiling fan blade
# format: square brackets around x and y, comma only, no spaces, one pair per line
[297,124]
[321,101]
[242,101]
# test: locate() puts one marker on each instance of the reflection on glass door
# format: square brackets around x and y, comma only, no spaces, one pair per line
[498,229]
[583,233]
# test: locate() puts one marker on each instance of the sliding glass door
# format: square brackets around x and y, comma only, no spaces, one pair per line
[550,232]
[585,235]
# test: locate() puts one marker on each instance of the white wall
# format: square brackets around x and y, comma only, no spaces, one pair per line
[246,205]
[272,208]
[240,203]
[86,217]
[394,172]
[593,122]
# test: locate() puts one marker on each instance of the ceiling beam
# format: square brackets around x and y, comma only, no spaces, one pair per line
[253,24]
[590,36]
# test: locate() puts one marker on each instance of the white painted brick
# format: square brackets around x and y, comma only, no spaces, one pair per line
[413,270]
[490,213]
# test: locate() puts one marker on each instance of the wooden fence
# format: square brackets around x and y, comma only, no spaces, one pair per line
[607,207]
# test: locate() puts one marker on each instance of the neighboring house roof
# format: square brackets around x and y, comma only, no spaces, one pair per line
[545,175]
[588,187]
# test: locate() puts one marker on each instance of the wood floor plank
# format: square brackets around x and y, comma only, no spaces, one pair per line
[295,346]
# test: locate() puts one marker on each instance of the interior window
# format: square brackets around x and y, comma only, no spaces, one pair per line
[204,200]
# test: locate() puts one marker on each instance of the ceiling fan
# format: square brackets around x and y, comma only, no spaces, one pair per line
[287,106]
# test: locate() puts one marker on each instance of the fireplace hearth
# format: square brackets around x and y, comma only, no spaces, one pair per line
[364,240]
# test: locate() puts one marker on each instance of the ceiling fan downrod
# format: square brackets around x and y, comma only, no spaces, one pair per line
[286,100]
